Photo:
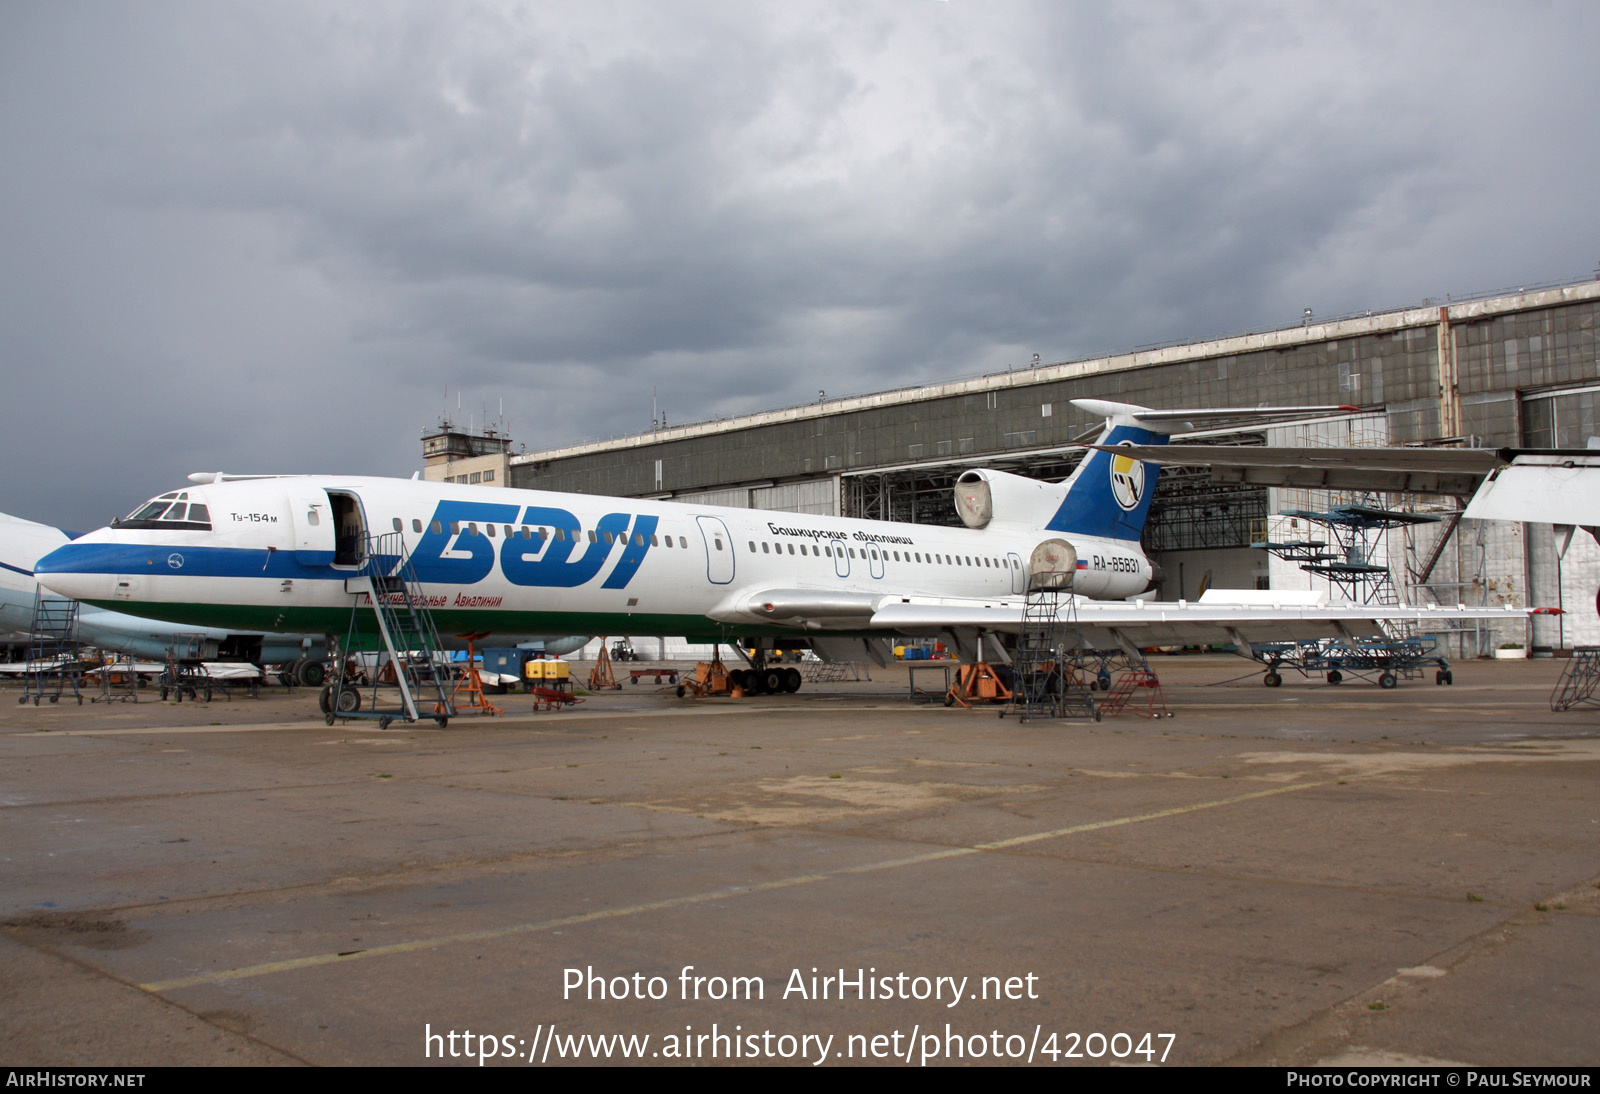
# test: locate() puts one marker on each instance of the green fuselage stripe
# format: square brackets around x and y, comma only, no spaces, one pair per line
[240,618]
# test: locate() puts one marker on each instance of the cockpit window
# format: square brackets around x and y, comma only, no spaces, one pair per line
[170,513]
[150,512]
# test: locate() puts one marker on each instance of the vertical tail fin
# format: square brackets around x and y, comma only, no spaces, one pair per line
[1109,495]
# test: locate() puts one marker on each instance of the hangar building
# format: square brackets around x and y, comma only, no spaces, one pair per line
[1513,369]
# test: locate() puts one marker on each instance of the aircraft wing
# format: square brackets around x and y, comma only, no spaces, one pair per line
[1542,486]
[1408,470]
[1109,624]
[1284,617]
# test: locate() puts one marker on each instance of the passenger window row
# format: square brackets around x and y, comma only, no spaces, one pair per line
[874,553]
[542,534]
[656,540]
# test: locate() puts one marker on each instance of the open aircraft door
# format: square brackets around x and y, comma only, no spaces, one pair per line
[311,516]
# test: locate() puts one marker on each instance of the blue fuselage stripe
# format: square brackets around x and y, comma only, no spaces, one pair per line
[131,558]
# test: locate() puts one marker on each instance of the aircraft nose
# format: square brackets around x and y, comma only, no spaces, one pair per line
[73,570]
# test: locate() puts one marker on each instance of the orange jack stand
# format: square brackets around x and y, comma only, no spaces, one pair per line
[601,676]
[472,684]
[710,678]
[977,682]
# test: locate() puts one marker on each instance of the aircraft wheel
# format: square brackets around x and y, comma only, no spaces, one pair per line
[792,680]
[1272,680]
[772,681]
[1104,680]
[1387,680]
[310,673]
[1334,676]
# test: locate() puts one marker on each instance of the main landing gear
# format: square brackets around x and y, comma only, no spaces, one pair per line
[766,679]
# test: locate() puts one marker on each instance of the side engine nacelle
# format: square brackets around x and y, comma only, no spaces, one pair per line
[983,496]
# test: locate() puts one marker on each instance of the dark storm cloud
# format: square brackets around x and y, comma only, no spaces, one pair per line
[270,236]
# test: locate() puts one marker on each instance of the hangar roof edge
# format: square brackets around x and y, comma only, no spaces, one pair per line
[1348,327]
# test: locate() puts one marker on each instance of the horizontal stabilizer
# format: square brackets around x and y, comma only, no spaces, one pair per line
[1181,421]
[1408,470]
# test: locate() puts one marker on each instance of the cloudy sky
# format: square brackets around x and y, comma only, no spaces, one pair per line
[284,237]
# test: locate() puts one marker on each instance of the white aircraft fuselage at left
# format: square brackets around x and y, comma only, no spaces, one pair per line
[285,554]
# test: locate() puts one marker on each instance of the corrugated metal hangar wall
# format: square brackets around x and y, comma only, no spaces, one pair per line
[1514,369]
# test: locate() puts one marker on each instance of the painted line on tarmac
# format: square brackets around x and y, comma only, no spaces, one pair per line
[162,731]
[317,960]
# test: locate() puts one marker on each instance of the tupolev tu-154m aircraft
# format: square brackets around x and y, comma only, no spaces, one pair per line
[281,553]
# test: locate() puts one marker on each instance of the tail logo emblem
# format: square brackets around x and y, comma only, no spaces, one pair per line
[1127,481]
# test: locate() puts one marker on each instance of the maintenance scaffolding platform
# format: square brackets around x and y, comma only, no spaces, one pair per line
[1382,660]
[1358,535]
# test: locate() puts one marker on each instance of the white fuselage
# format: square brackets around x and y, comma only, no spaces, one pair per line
[280,553]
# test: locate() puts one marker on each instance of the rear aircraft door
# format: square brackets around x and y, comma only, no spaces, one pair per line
[1019,580]
[841,561]
[719,550]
